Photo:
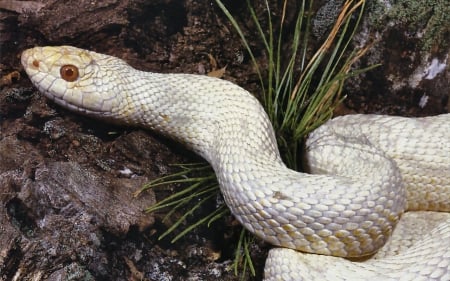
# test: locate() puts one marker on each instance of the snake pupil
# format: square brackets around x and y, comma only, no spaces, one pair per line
[69,72]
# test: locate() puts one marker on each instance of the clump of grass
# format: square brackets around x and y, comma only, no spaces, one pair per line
[298,96]
[295,102]
[203,188]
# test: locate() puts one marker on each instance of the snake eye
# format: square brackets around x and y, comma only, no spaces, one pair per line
[69,72]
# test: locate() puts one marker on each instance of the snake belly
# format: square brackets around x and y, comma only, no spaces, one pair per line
[367,170]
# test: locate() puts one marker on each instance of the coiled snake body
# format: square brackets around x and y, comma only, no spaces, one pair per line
[367,169]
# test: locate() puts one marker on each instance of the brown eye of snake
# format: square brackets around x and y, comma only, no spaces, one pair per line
[69,72]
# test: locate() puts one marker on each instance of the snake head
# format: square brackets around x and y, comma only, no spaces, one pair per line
[74,78]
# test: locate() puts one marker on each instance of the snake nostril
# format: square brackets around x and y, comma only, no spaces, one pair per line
[36,63]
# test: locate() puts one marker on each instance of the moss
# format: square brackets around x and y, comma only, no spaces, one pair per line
[325,17]
[428,20]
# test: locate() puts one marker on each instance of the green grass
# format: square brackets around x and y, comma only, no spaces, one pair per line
[298,96]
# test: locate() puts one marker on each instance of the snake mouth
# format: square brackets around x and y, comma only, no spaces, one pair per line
[74,107]
[71,106]
[60,100]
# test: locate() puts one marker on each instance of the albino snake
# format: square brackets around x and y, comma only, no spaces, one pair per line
[369,169]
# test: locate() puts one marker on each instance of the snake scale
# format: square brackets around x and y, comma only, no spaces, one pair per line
[375,205]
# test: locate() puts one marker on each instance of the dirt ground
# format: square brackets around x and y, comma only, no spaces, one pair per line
[66,181]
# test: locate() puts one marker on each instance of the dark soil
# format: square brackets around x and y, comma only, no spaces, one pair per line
[66,182]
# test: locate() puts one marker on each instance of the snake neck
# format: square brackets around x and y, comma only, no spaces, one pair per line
[209,115]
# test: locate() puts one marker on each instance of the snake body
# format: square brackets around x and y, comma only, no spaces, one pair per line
[367,169]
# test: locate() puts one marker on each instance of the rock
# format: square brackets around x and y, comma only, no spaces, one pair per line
[60,211]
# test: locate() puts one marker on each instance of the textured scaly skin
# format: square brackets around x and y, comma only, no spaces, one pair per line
[370,168]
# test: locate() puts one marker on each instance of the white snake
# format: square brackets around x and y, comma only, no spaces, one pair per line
[369,169]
